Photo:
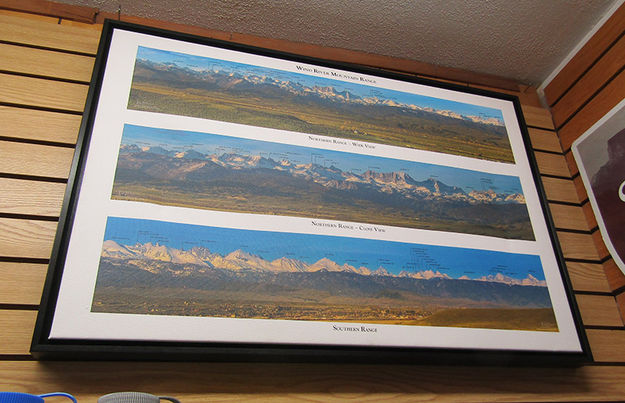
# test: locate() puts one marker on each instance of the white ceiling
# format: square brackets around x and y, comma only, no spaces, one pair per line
[525,40]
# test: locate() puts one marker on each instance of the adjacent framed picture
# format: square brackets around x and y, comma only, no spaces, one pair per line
[600,156]
[229,202]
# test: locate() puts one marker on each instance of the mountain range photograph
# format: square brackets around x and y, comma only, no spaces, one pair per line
[207,171]
[163,268]
[187,85]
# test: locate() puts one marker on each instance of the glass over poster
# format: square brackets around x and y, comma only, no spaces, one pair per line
[232,196]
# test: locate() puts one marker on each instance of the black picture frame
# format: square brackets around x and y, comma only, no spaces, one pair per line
[122,124]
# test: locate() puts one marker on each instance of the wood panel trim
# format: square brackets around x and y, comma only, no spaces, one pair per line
[43,7]
[587,56]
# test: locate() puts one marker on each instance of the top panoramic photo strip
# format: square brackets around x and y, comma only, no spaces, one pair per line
[203,87]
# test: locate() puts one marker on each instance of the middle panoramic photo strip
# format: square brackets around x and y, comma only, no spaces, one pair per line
[216,172]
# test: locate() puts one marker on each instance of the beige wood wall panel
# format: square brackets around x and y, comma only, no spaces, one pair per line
[42,93]
[561,190]
[587,277]
[552,164]
[21,59]
[609,64]
[26,238]
[607,345]
[599,310]
[47,32]
[225,382]
[21,283]
[601,104]
[589,53]
[577,246]
[569,217]
[17,331]
[32,124]
[537,117]
[31,197]
[34,159]
[544,140]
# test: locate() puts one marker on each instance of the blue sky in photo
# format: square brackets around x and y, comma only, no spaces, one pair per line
[393,256]
[200,63]
[179,140]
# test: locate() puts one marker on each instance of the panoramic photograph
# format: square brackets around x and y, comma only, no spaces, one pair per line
[163,268]
[187,85]
[216,172]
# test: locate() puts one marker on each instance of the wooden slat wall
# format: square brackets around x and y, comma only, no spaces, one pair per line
[591,84]
[40,109]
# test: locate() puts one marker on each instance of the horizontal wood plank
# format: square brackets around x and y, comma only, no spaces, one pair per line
[544,140]
[46,63]
[560,190]
[21,283]
[223,382]
[537,117]
[609,64]
[31,197]
[26,238]
[598,310]
[47,32]
[577,246]
[587,277]
[201,383]
[569,217]
[38,125]
[35,160]
[552,164]
[586,56]
[607,345]
[594,110]
[17,331]
[41,93]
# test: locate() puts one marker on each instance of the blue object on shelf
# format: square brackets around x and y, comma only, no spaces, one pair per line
[16,397]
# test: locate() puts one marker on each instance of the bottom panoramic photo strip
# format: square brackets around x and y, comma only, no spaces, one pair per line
[150,267]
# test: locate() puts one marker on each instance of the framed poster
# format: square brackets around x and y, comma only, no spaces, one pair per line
[600,156]
[229,201]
